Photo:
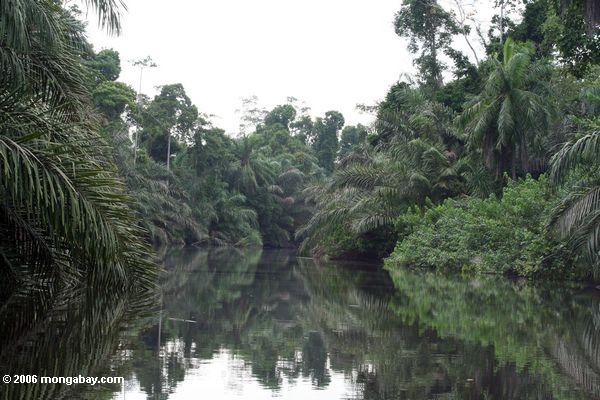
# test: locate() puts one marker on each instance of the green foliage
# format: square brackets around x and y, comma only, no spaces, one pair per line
[492,235]
[375,187]
[578,42]
[575,167]
[290,177]
[564,30]
[441,138]
[325,145]
[351,138]
[111,99]
[414,160]
[428,147]
[162,202]
[218,190]
[65,215]
[505,119]
[169,120]
[106,64]
[283,115]
[430,29]
[576,217]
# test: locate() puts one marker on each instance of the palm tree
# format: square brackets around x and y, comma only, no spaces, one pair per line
[251,169]
[578,215]
[374,187]
[504,120]
[415,161]
[63,210]
[233,222]
[41,42]
[161,200]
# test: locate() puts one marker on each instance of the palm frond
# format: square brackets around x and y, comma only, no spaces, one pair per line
[576,210]
[108,13]
[585,149]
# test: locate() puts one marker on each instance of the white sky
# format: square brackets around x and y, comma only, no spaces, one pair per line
[332,54]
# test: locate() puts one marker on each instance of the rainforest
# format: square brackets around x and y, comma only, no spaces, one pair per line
[449,248]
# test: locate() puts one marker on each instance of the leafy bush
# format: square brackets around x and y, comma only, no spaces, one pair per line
[492,235]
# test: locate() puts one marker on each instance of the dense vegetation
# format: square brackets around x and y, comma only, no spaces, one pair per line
[64,213]
[485,161]
[92,171]
[492,170]
[197,185]
[506,234]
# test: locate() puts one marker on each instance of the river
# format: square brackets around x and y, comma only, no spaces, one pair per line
[262,324]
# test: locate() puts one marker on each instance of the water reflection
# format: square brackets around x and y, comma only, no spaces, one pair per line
[51,330]
[257,325]
[541,337]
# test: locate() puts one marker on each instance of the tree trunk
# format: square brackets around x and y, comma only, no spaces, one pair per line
[439,81]
[168,150]
[513,165]
[592,15]
[524,155]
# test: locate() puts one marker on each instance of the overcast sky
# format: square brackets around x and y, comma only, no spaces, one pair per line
[332,54]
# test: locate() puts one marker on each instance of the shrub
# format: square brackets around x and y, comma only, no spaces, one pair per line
[492,235]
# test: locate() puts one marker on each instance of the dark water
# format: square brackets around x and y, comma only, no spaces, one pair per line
[265,324]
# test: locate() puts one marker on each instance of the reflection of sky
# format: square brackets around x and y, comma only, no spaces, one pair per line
[226,376]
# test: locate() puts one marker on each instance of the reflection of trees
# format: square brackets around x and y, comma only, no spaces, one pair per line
[314,359]
[366,340]
[213,299]
[431,337]
[578,351]
[244,302]
[66,331]
[547,334]
[435,336]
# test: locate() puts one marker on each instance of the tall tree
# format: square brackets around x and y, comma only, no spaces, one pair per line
[430,29]
[107,64]
[302,128]
[111,98]
[504,120]
[351,138]
[283,114]
[326,138]
[169,120]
